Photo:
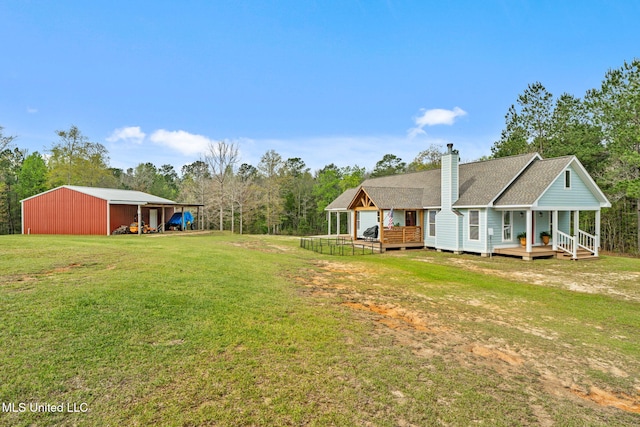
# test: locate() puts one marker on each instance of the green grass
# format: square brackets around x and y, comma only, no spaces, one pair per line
[242,330]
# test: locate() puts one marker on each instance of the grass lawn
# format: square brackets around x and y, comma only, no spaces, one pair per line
[214,329]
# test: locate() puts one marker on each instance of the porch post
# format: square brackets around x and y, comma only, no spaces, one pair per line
[354,230]
[338,229]
[576,227]
[163,220]
[597,245]
[554,231]
[529,230]
[328,223]
[139,220]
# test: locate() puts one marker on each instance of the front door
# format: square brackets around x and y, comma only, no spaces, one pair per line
[410,218]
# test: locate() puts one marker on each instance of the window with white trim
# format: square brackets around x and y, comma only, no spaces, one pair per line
[474,225]
[507,228]
[432,223]
[567,179]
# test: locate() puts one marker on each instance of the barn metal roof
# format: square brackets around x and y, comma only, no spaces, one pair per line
[122,197]
[115,196]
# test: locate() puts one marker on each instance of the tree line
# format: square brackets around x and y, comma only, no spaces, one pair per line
[277,195]
[283,196]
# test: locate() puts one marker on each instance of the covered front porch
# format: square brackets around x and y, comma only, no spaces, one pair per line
[394,229]
[564,237]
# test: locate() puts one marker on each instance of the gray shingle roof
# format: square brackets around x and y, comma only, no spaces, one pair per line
[533,182]
[395,197]
[343,200]
[424,186]
[480,184]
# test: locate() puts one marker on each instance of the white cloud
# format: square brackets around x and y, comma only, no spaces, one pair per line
[183,142]
[436,116]
[32,110]
[131,134]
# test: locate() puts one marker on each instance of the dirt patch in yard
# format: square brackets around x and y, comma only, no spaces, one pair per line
[394,317]
[64,268]
[431,328]
[492,353]
[607,398]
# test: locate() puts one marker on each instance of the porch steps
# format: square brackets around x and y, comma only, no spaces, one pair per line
[582,254]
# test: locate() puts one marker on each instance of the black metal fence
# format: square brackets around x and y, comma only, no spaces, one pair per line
[339,245]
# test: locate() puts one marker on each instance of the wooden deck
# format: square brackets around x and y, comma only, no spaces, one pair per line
[536,252]
[541,252]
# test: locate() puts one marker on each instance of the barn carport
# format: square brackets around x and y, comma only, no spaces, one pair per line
[155,215]
[91,210]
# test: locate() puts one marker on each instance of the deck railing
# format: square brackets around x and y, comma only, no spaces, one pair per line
[406,234]
[339,245]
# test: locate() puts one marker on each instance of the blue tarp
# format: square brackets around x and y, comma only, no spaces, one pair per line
[176,219]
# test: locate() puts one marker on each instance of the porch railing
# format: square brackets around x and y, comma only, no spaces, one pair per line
[406,234]
[571,244]
[566,243]
[588,242]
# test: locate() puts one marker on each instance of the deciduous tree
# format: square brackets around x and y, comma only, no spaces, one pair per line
[77,161]
[32,177]
[427,159]
[222,157]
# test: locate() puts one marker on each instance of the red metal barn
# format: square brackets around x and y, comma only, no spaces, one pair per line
[87,210]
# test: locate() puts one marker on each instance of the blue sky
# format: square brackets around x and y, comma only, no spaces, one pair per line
[341,82]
